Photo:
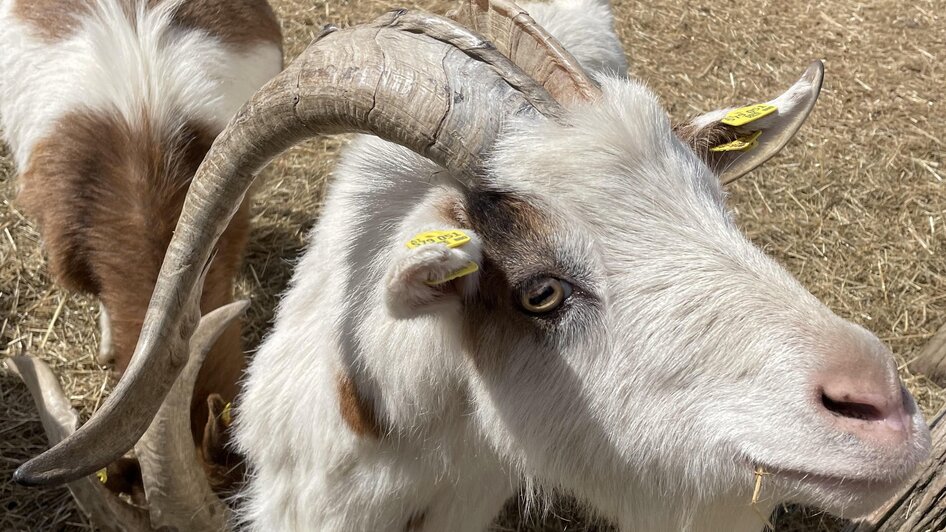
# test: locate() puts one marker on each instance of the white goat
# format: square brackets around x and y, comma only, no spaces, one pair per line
[620,339]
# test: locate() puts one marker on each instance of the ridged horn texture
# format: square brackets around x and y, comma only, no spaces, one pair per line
[179,495]
[416,79]
[102,507]
[517,36]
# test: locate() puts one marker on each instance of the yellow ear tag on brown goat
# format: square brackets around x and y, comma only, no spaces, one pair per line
[751,113]
[102,474]
[741,144]
[452,238]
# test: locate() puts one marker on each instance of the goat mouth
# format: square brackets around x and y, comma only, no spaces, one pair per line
[821,481]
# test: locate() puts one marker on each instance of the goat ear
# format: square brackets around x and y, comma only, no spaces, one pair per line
[735,141]
[432,269]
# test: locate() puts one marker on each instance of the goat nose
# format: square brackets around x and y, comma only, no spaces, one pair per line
[868,401]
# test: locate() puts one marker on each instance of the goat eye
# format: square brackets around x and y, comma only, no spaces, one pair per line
[545,295]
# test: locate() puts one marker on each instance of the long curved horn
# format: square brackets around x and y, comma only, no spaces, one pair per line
[59,419]
[517,36]
[421,81]
[179,495]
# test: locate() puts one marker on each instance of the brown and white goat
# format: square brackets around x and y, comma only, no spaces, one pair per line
[109,106]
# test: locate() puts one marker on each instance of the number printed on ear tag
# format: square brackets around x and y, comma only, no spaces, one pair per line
[741,144]
[751,113]
[453,238]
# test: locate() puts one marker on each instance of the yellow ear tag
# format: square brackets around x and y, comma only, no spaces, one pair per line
[741,144]
[452,238]
[470,267]
[103,475]
[225,415]
[744,115]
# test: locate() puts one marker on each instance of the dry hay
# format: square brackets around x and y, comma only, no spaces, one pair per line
[854,206]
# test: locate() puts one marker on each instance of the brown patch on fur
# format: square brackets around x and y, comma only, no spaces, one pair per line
[504,219]
[357,411]
[236,22]
[450,210]
[107,196]
[416,522]
[53,20]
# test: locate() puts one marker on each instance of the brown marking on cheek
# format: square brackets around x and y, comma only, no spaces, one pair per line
[107,196]
[239,23]
[357,411]
[53,20]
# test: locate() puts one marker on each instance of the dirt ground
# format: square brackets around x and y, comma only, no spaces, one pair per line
[854,206]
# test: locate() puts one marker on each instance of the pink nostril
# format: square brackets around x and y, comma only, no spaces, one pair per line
[883,412]
[859,391]
[852,409]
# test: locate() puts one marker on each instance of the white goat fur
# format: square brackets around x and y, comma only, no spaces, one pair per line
[653,405]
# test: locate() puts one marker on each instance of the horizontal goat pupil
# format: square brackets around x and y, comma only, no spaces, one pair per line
[543,295]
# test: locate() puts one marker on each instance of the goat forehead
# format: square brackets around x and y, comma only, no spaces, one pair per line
[529,235]
[618,154]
